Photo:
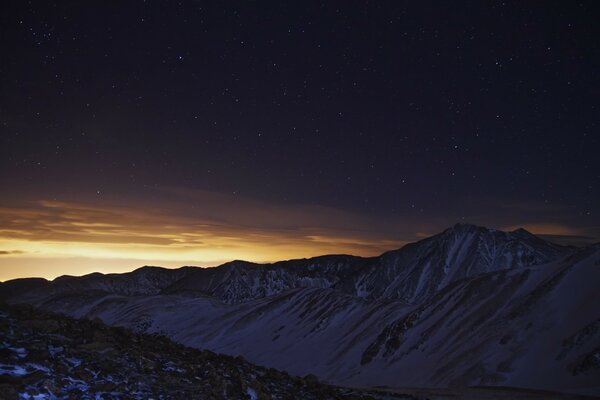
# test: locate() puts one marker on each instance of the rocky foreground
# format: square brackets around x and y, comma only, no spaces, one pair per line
[50,356]
[47,356]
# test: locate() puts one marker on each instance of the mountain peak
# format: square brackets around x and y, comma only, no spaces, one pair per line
[465,227]
[522,232]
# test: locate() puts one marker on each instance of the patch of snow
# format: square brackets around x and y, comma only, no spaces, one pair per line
[12,370]
[40,396]
[21,352]
[251,393]
[38,367]
[94,373]
[74,362]
[55,350]
[423,277]
[76,384]
[171,367]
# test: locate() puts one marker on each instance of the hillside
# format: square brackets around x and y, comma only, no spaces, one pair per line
[470,306]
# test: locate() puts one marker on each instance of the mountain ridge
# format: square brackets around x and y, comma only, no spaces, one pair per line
[380,274]
[469,306]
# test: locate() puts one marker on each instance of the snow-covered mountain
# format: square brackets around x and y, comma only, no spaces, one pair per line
[240,281]
[533,327]
[470,306]
[413,273]
[417,271]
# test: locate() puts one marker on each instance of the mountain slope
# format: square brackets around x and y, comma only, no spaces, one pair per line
[509,327]
[240,281]
[534,327]
[47,356]
[470,306]
[417,271]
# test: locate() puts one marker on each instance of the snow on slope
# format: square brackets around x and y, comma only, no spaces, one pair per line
[419,270]
[467,306]
[240,281]
[302,331]
[532,327]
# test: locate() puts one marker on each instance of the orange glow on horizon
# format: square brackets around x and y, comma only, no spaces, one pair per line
[173,227]
[53,238]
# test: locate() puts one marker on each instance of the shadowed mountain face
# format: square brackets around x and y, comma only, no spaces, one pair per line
[470,306]
[48,356]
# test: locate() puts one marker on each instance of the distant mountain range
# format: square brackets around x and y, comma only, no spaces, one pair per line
[469,306]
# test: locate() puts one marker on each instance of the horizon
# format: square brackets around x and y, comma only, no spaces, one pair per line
[548,238]
[191,133]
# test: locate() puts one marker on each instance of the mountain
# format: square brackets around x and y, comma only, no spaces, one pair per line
[469,306]
[240,281]
[533,327]
[48,356]
[412,274]
[417,271]
[142,281]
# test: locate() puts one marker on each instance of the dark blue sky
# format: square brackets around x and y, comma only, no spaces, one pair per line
[484,111]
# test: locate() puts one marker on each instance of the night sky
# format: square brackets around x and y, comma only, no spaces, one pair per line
[170,133]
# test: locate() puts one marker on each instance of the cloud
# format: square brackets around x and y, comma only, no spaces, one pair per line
[572,240]
[548,228]
[558,232]
[174,226]
[182,225]
[10,252]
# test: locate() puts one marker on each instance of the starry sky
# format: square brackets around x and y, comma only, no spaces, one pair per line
[192,132]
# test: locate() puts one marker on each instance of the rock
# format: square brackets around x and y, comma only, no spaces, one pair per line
[8,390]
[311,379]
[95,346]
[42,325]
[105,387]
[10,380]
